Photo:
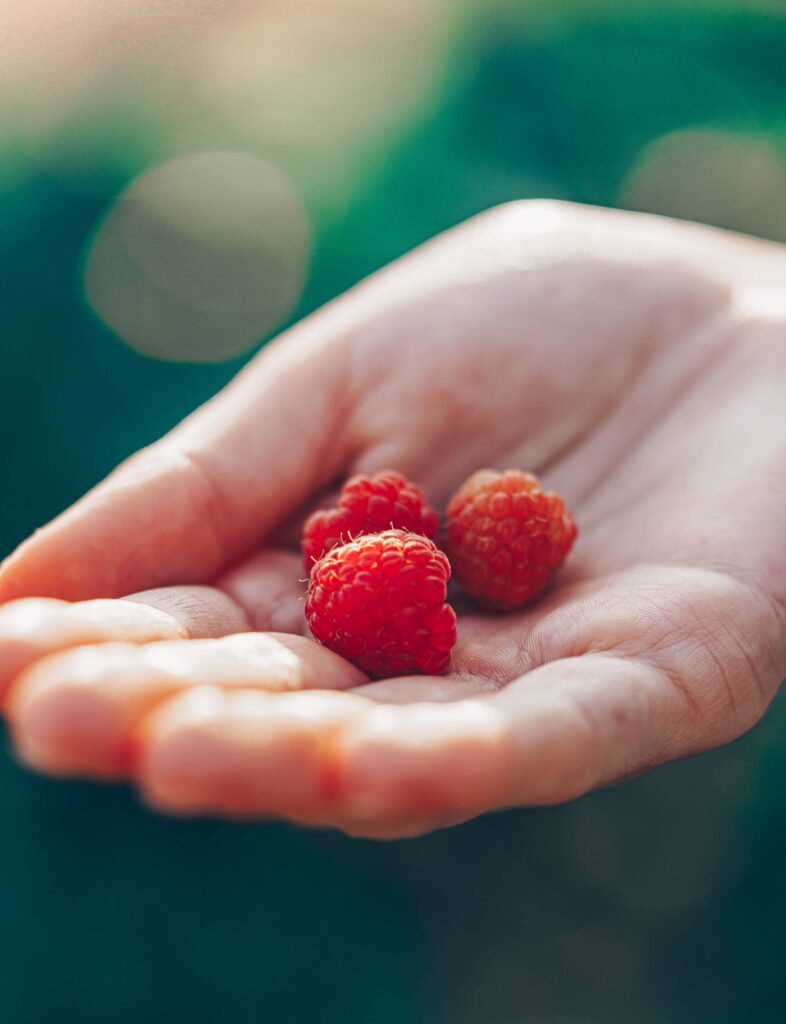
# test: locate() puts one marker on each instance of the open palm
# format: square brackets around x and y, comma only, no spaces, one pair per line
[637,365]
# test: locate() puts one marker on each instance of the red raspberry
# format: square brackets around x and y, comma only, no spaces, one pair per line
[506,537]
[369,504]
[380,602]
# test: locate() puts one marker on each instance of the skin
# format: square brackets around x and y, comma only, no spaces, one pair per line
[636,364]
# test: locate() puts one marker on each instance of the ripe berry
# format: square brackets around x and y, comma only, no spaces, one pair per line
[369,504]
[506,537]
[380,602]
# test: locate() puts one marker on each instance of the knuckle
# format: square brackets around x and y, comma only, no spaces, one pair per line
[525,215]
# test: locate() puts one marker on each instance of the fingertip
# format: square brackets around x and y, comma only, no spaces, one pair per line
[73,712]
[62,724]
[149,524]
[34,628]
[46,565]
[25,635]
[240,753]
[12,582]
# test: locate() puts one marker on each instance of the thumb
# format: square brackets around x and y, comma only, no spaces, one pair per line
[183,509]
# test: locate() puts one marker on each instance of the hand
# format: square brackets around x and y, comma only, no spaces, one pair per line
[638,365]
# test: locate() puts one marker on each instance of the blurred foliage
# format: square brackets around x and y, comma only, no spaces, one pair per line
[662,900]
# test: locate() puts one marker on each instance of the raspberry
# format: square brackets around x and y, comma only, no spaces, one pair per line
[369,504]
[506,537]
[380,602]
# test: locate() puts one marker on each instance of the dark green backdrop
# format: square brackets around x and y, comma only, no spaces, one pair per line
[662,900]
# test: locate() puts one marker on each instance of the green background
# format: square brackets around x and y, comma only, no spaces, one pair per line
[661,900]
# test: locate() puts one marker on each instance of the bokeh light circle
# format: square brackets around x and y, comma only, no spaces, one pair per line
[714,176]
[200,257]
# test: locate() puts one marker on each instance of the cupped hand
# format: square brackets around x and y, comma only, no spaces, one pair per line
[637,365]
